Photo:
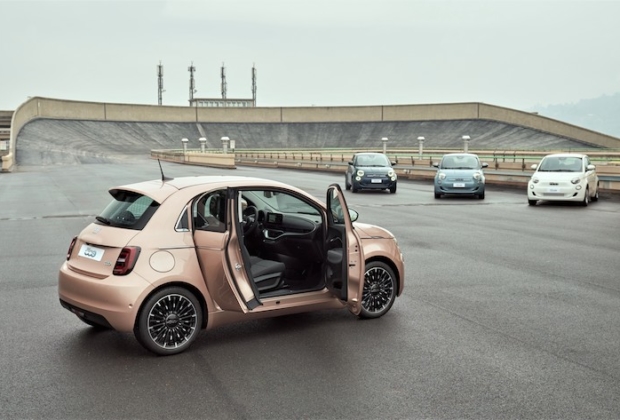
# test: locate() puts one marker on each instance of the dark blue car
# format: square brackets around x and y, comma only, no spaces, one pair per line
[370,171]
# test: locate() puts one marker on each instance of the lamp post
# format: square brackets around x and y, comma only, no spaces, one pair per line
[420,146]
[203,144]
[384,140]
[184,143]
[225,143]
[465,143]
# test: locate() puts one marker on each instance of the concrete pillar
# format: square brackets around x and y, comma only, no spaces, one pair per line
[465,143]
[232,146]
[420,146]
[184,142]
[384,140]
[203,144]
[225,144]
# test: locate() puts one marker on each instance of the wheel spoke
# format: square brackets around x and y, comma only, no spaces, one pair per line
[378,289]
[172,321]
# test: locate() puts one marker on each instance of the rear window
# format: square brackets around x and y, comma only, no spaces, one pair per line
[128,209]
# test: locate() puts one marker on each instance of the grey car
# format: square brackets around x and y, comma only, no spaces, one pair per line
[460,173]
[370,171]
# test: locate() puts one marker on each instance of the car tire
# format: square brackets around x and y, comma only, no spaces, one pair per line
[586,198]
[169,321]
[379,291]
[437,195]
[347,186]
[532,202]
[481,196]
[354,189]
[393,189]
[595,196]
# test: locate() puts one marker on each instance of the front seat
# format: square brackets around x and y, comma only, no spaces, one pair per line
[267,274]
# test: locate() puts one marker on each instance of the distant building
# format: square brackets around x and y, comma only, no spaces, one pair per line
[222,103]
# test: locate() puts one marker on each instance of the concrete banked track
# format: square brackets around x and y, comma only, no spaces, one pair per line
[65,141]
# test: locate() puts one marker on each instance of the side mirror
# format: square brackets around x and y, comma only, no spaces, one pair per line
[350,162]
[591,167]
[534,166]
[436,165]
[485,165]
[353,215]
[393,163]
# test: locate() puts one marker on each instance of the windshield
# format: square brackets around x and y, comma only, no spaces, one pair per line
[460,162]
[375,159]
[128,209]
[561,164]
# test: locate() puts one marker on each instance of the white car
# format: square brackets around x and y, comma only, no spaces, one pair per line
[563,177]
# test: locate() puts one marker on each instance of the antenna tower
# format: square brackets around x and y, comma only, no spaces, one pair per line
[223,82]
[160,83]
[254,84]
[192,83]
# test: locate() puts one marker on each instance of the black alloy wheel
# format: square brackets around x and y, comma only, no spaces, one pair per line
[169,321]
[379,292]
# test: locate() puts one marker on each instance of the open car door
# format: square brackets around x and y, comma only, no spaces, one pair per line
[219,254]
[344,268]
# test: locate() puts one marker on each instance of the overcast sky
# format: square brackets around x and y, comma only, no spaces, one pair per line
[517,54]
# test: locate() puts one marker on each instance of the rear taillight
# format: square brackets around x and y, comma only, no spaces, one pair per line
[126,260]
[73,241]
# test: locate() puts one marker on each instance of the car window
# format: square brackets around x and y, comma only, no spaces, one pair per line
[372,160]
[279,201]
[209,211]
[128,209]
[561,164]
[460,162]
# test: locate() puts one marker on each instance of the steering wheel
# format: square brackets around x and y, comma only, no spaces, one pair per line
[250,220]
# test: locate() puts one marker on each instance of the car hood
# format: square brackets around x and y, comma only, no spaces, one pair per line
[459,172]
[375,169]
[367,231]
[557,176]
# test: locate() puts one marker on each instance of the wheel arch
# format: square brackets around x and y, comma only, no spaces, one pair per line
[390,264]
[191,288]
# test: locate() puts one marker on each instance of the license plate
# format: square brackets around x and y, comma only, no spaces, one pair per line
[459,185]
[91,252]
[375,181]
[553,190]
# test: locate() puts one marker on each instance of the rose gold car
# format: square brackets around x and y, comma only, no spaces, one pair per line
[167,258]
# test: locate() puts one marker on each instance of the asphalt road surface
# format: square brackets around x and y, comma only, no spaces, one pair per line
[509,311]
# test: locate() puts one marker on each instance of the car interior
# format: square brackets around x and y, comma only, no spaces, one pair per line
[284,242]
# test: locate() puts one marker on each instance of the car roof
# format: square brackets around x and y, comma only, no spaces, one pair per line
[461,154]
[159,189]
[580,155]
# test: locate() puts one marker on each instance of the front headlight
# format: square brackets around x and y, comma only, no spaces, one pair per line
[477,176]
[360,172]
[575,180]
[535,180]
[441,176]
[391,173]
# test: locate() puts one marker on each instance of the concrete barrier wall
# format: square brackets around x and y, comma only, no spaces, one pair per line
[38,107]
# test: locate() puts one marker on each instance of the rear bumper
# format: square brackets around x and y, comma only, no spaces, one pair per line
[113,301]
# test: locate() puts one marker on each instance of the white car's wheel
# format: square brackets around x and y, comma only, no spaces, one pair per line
[586,198]
[595,196]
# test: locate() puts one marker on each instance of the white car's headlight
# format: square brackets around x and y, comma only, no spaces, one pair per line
[360,172]
[441,176]
[535,180]
[575,180]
